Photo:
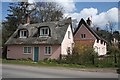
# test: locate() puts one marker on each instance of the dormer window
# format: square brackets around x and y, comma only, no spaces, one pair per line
[44,31]
[23,33]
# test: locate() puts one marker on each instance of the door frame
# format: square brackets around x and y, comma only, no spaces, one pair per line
[38,52]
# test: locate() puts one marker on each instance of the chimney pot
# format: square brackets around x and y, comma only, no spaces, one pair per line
[89,21]
[20,20]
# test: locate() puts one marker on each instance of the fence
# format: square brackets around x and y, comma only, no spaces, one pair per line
[107,61]
[103,61]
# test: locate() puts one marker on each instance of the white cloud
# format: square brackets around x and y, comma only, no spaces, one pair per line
[100,19]
[112,14]
[68,6]
[30,1]
[88,12]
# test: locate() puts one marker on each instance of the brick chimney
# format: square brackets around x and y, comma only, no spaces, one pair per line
[20,20]
[27,19]
[97,29]
[89,22]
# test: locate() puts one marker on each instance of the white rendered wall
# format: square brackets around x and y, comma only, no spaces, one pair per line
[101,48]
[67,42]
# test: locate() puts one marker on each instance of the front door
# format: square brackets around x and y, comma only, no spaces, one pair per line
[36,54]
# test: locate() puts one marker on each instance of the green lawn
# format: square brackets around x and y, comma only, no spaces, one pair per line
[51,64]
[41,63]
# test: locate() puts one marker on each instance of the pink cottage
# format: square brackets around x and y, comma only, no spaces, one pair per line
[41,40]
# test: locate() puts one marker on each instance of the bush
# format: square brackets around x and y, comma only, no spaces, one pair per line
[115,52]
[81,55]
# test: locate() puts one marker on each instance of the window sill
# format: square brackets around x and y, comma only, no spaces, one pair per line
[44,36]
[22,37]
[27,53]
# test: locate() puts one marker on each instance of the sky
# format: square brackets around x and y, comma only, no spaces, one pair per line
[99,12]
[4,9]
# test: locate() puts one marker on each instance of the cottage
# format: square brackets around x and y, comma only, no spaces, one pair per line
[84,34]
[41,40]
[48,40]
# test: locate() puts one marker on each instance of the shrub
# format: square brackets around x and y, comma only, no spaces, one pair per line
[81,55]
[45,59]
[115,52]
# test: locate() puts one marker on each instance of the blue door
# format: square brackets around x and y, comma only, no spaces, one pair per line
[36,54]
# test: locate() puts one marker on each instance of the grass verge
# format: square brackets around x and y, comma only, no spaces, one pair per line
[50,64]
[41,63]
[91,68]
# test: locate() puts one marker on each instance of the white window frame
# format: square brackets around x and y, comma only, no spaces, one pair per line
[44,33]
[69,35]
[27,52]
[22,34]
[47,52]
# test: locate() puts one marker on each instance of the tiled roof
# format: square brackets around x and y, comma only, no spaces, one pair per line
[89,28]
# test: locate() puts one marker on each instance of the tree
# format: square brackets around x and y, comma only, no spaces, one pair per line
[19,10]
[116,35]
[47,11]
[0,37]
[16,16]
[74,24]
[111,26]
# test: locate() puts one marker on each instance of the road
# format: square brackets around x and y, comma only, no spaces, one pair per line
[20,71]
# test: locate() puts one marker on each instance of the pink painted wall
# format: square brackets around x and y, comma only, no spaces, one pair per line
[56,50]
[16,52]
[56,53]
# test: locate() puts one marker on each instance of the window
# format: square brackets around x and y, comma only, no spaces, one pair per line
[83,36]
[47,50]
[68,50]
[44,31]
[27,50]
[68,34]
[23,33]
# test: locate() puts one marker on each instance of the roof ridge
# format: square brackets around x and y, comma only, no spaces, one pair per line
[82,21]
